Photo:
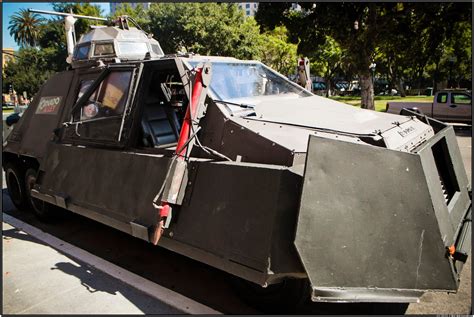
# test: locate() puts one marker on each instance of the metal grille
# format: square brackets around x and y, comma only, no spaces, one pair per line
[444,165]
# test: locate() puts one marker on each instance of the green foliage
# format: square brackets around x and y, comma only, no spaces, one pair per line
[24,27]
[327,59]
[138,14]
[29,71]
[409,42]
[82,25]
[277,52]
[33,66]
[204,28]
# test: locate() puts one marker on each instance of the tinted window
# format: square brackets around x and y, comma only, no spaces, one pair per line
[461,99]
[442,98]
[108,99]
[82,52]
[156,49]
[85,84]
[104,49]
[133,48]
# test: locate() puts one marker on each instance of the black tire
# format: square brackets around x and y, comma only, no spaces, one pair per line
[279,298]
[42,210]
[14,177]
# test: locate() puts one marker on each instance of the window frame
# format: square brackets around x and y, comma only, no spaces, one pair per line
[122,120]
[85,97]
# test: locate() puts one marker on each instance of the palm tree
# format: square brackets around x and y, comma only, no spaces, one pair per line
[24,26]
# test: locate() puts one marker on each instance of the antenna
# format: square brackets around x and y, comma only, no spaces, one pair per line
[69,21]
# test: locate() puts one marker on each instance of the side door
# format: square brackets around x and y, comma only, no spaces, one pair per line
[440,106]
[460,107]
[101,107]
[89,170]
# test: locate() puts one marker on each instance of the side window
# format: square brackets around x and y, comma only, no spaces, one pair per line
[101,49]
[442,98]
[460,99]
[82,52]
[85,84]
[107,100]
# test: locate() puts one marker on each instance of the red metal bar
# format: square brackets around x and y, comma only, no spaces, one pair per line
[184,135]
[183,138]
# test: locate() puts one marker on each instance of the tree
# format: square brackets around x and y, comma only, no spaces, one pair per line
[24,27]
[404,38]
[204,28]
[277,52]
[29,70]
[423,38]
[327,60]
[137,13]
[82,25]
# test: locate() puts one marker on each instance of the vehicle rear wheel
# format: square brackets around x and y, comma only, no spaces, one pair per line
[16,185]
[279,298]
[43,210]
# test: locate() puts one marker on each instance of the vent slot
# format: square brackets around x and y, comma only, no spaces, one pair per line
[444,165]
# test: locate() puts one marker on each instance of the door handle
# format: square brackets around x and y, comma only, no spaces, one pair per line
[452,106]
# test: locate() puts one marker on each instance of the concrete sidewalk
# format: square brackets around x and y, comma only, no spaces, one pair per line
[38,279]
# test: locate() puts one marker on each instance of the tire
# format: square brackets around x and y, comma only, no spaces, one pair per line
[42,210]
[14,177]
[278,298]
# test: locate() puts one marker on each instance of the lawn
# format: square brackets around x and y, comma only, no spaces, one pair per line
[381,101]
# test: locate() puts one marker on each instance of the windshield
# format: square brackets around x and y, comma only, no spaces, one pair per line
[244,80]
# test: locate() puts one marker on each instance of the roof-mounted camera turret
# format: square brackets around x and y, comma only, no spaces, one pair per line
[114,42]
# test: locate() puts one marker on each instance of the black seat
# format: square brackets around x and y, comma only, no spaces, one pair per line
[161,124]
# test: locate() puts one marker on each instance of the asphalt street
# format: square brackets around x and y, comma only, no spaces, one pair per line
[210,286]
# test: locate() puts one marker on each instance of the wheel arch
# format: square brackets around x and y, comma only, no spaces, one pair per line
[19,160]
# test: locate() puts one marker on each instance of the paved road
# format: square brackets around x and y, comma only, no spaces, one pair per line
[39,280]
[212,287]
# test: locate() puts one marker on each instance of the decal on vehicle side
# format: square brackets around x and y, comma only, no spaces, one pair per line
[406,131]
[48,105]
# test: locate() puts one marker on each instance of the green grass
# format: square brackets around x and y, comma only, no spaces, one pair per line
[381,101]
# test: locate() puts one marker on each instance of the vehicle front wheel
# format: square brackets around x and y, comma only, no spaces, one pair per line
[16,185]
[43,210]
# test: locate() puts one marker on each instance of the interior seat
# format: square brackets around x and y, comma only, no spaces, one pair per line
[161,124]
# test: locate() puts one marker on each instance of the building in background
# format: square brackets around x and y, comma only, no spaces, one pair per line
[8,54]
[114,5]
[250,8]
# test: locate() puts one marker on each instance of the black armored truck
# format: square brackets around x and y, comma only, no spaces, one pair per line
[229,163]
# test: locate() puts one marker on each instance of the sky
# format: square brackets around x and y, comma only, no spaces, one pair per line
[10,8]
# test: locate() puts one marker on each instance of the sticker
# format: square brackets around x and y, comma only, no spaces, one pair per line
[406,131]
[48,105]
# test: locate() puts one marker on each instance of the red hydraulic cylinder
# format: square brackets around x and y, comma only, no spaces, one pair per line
[192,109]
[183,138]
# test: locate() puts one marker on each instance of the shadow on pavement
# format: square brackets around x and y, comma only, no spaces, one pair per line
[94,280]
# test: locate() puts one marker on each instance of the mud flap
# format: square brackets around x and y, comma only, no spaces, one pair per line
[371,227]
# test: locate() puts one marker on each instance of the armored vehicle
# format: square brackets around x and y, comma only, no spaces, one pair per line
[229,163]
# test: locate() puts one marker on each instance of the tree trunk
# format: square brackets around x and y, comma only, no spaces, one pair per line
[366,92]
[401,89]
[435,79]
